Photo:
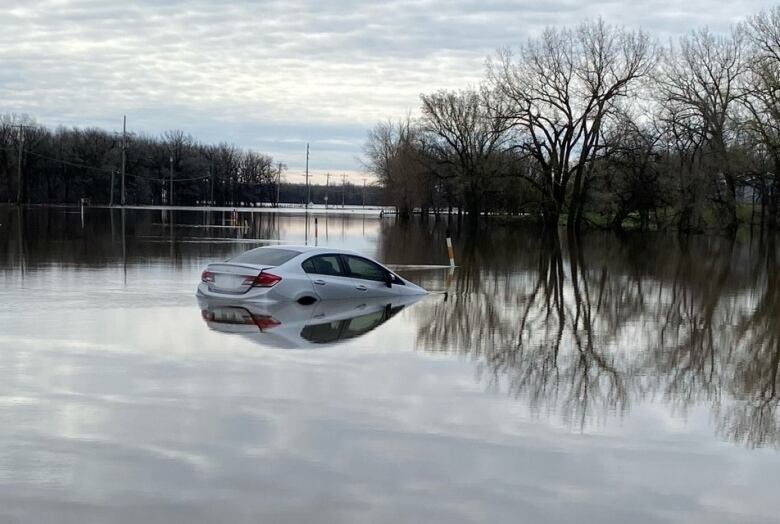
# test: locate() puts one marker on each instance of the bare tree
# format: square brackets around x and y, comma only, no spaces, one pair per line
[561,87]
[681,142]
[467,131]
[701,77]
[394,154]
[631,176]
[762,101]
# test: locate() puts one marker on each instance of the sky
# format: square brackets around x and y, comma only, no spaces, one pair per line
[273,76]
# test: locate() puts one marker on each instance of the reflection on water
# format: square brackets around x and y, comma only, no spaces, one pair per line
[293,325]
[617,379]
[579,327]
[587,327]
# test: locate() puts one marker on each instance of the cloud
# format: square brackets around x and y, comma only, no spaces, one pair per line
[291,69]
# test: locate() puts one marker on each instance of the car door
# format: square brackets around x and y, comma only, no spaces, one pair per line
[330,280]
[369,278]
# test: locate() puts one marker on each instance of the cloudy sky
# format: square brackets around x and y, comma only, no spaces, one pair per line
[274,75]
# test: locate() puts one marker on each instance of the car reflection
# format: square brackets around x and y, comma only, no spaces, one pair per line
[291,325]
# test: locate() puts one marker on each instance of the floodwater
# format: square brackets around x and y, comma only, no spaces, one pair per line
[598,379]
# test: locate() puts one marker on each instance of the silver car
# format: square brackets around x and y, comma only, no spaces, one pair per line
[304,274]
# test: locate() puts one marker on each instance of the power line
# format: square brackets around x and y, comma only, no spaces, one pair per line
[72,164]
[106,170]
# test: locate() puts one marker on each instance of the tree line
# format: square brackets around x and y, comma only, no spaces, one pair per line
[600,125]
[64,165]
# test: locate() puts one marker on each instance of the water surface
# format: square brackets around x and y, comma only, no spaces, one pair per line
[596,379]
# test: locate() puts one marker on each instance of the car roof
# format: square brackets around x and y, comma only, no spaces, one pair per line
[313,250]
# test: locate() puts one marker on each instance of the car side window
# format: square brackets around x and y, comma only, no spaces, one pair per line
[365,269]
[323,265]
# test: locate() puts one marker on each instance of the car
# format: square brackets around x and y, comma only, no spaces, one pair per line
[303,274]
[290,325]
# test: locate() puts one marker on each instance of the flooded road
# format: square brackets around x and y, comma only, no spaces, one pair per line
[597,379]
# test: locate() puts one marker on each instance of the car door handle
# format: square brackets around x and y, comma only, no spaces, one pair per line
[320,282]
[361,287]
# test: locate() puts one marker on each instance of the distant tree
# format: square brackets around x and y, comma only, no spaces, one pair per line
[394,155]
[67,164]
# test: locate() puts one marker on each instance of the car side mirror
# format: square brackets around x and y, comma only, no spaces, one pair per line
[389,279]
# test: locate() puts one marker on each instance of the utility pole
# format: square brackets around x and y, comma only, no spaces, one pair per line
[308,190]
[111,191]
[327,186]
[343,188]
[278,183]
[170,198]
[364,193]
[20,192]
[211,184]
[124,147]
[19,185]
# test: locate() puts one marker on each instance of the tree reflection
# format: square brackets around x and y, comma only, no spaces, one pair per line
[687,356]
[533,328]
[37,237]
[751,416]
[583,326]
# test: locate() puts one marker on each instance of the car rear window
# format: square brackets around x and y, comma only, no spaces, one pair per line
[266,256]
[323,265]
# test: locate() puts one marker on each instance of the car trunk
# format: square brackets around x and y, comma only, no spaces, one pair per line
[233,278]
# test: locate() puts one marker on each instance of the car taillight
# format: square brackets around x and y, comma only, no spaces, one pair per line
[264,322]
[207,276]
[266,280]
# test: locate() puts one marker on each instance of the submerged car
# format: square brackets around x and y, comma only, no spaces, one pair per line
[290,325]
[303,274]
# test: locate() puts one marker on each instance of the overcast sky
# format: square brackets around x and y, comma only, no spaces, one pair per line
[274,75]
